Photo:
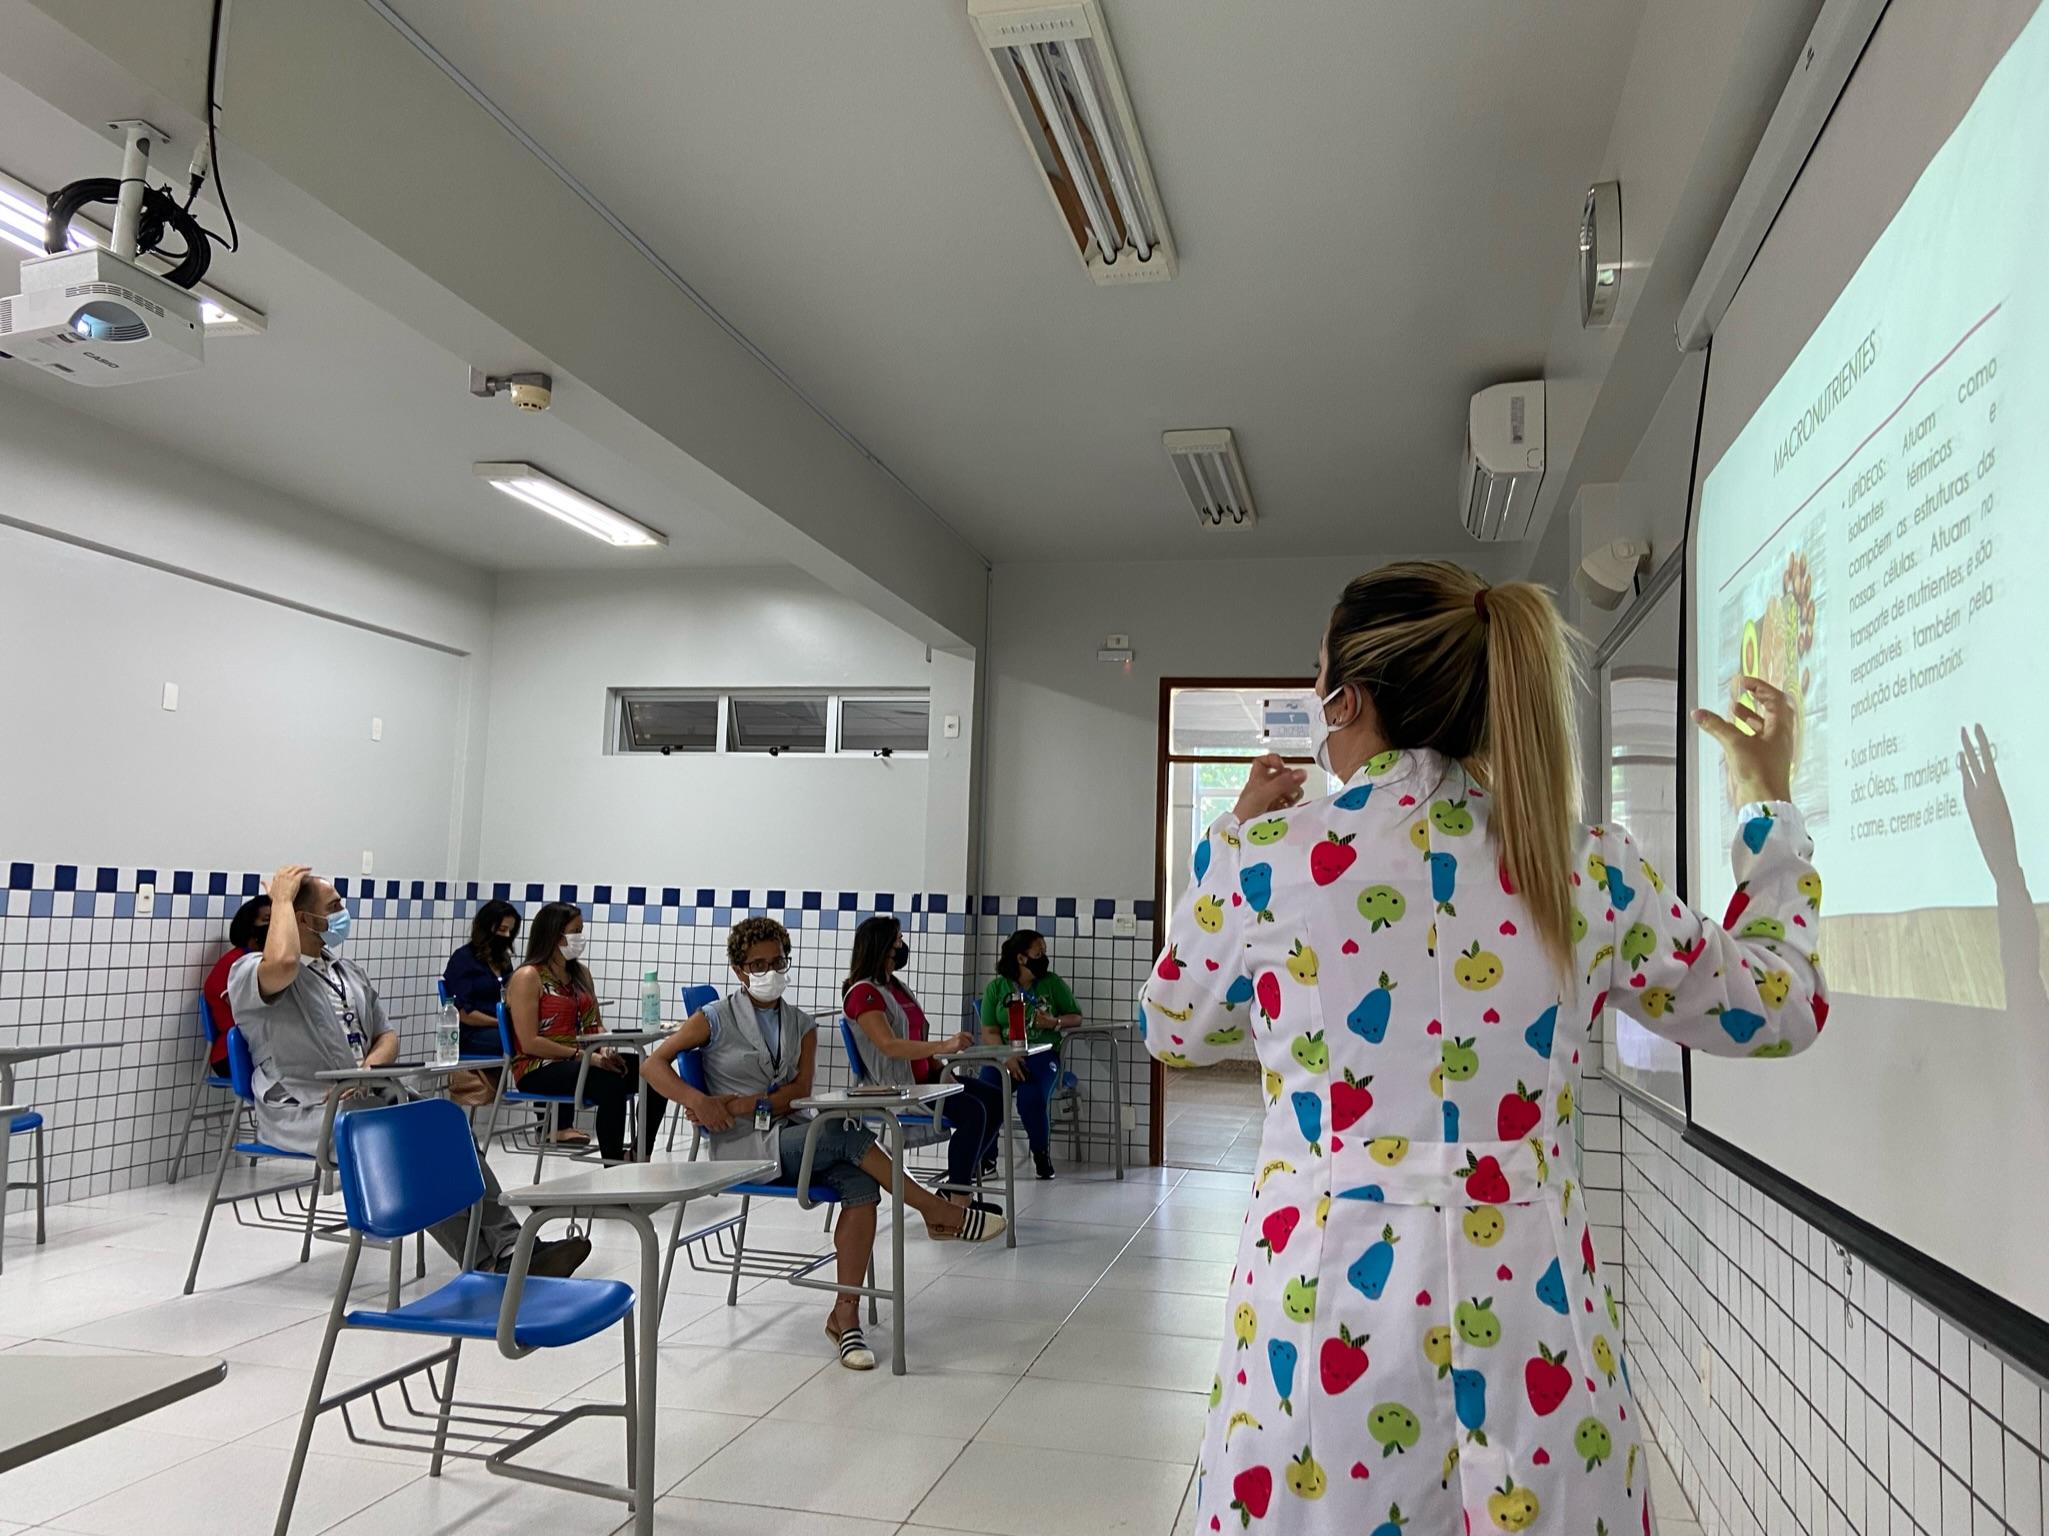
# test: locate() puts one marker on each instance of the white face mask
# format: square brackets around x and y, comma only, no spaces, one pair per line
[1320,729]
[572,945]
[768,986]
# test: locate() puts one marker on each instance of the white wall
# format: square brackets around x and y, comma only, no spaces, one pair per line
[1070,789]
[124,566]
[558,807]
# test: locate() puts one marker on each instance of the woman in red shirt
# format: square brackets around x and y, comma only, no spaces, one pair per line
[247,930]
[553,1002]
[890,1030]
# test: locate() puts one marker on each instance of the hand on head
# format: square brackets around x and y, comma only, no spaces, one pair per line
[284,885]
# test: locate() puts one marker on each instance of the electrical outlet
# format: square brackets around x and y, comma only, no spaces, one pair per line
[171,697]
[145,901]
[1117,642]
[377,727]
[368,862]
[1124,926]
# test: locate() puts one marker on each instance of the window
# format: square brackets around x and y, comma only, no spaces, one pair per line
[776,725]
[672,720]
[665,723]
[885,725]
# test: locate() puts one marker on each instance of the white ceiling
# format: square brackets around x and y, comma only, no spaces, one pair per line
[1374,203]
[342,406]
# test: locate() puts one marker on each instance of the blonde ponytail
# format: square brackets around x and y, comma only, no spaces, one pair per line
[1529,753]
[1485,675]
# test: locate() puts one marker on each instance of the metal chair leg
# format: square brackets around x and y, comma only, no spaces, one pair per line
[6,1137]
[632,1398]
[213,1198]
[335,1314]
[191,1119]
[312,1212]
[447,1407]
[42,1191]
[669,1258]
[739,1251]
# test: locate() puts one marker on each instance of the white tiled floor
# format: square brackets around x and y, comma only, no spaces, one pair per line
[1211,1118]
[1054,1390]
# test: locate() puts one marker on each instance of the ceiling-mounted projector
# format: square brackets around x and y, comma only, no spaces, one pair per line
[92,318]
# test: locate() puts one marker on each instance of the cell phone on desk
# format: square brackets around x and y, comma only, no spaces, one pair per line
[877,1091]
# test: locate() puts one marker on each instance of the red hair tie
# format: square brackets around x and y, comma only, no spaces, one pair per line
[1480,604]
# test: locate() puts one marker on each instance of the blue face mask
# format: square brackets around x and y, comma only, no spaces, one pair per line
[337,930]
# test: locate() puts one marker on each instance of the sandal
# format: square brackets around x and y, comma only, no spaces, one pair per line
[978,1225]
[855,1355]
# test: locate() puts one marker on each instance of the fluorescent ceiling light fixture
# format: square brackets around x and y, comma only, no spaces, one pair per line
[1067,97]
[540,490]
[1212,476]
[24,212]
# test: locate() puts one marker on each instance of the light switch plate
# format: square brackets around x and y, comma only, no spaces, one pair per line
[950,728]
[1117,643]
[1124,925]
[145,901]
[377,727]
[368,862]
[171,696]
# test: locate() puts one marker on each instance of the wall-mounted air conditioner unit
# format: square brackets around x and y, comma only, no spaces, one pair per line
[1504,463]
[1065,92]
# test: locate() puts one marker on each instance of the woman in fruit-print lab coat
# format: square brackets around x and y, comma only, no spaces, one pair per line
[1419,1338]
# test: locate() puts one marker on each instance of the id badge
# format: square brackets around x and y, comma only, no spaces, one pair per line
[763,1120]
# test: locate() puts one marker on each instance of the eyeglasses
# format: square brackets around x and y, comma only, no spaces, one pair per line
[763,967]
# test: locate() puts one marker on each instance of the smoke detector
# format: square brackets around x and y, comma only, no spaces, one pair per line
[527,391]
[1212,476]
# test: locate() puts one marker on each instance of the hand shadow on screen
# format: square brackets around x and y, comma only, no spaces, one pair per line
[2020,932]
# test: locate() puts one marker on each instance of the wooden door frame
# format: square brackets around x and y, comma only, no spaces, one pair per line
[1156,1128]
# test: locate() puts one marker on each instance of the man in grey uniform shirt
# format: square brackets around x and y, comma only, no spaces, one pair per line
[305,1010]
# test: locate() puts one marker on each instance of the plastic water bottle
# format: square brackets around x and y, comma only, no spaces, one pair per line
[650,999]
[448,1035]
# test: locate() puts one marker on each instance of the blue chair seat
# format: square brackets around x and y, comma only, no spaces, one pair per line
[551,1312]
[265,1149]
[27,1121]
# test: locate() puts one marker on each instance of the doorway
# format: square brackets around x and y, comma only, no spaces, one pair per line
[1210,730]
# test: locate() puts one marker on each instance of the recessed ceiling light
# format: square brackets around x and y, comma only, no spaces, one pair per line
[542,491]
[24,211]
[1066,94]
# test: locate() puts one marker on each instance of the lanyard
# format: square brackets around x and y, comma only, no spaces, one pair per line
[338,984]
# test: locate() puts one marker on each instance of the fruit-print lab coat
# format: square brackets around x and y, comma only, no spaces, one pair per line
[1419,1340]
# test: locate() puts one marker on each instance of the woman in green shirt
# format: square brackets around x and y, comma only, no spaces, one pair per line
[1023,970]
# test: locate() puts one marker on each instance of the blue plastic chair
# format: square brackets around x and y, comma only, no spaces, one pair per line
[934,1132]
[195,1112]
[774,1264]
[28,1123]
[507,1094]
[402,1170]
[695,1001]
[241,1078]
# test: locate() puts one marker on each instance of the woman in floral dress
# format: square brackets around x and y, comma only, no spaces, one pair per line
[1419,1340]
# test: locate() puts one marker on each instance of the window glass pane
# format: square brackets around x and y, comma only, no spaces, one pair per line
[777,725]
[1239,722]
[894,725]
[652,723]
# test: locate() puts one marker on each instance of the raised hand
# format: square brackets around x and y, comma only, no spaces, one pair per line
[1271,785]
[1757,741]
